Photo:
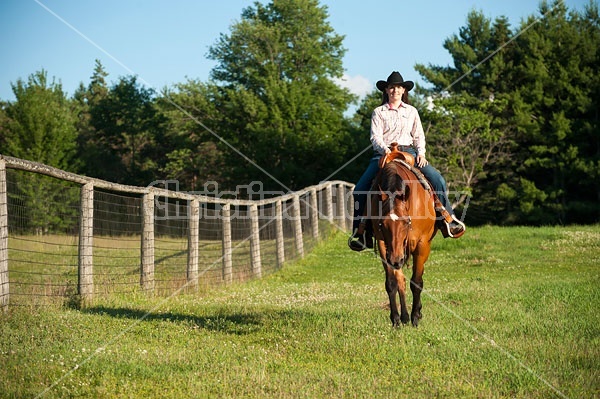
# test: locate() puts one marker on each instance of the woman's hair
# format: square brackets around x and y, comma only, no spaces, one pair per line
[385,98]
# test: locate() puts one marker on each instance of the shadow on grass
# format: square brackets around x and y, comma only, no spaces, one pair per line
[238,323]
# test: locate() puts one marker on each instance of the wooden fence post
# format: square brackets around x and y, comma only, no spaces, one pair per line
[350,209]
[147,247]
[279,238]
[86,244]
[4,287]
[297,218]
[193,248]
[341,207]
[227,256]
[328,203]
[255,242]
[314,213]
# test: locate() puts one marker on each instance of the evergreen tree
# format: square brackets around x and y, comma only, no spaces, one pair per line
[92,153]
[546,70]
[479,67]
[127,124]
[555,108]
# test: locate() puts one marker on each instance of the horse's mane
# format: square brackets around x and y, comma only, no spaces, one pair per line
[392,185]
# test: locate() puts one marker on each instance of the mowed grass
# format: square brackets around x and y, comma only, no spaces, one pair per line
[508,312]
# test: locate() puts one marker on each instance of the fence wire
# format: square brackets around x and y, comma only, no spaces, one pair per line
[44,217]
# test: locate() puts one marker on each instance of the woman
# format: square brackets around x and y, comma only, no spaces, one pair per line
[396,121]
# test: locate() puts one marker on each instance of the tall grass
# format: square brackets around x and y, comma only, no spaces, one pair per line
[508,312]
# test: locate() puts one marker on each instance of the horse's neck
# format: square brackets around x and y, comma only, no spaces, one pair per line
[404,172]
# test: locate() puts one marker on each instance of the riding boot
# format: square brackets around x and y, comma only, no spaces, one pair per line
[448,224]
[362,237]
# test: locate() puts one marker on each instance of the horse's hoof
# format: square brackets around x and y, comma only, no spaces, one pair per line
[415,319]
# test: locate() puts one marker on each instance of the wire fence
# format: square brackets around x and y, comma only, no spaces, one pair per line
[69,238]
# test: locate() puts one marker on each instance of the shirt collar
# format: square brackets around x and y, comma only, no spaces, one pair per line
[402,105]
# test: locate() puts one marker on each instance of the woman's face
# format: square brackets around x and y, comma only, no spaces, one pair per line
[395,92]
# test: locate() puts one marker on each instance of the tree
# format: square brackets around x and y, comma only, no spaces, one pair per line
[283,112]
[40,127]
[545,72]
[127,124]
[476,42]
[193,155]
[555,106]
[470,142]
[91,152]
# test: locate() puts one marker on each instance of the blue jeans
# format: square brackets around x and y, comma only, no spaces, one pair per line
[363,186]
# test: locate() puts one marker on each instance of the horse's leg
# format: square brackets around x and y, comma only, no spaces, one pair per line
[391,288]
[394,284]
[401,281]
[416,282]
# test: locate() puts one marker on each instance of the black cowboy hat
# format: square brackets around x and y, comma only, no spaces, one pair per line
[395,79]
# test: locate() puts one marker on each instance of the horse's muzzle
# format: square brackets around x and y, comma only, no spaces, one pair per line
[396,261]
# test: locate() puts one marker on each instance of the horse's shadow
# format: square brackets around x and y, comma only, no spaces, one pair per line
[220,321]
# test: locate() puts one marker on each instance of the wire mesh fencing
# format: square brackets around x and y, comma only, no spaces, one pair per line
[68,238]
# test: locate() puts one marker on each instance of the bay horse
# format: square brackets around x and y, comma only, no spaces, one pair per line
[403,218]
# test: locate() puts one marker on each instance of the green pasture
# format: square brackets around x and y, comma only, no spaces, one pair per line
[507,313]
[43,269]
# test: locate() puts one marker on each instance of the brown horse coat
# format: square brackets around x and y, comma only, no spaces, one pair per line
[403,217]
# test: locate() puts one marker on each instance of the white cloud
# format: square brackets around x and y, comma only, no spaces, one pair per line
[358,84]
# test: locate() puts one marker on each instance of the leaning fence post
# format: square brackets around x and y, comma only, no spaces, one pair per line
[227,260]
[86,244]
[298,226]
[193,232]
[147,269]
[279,238]
[4,288]
[255,242]
[314,213]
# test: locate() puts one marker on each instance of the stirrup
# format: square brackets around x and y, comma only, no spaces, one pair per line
[444,227]
[357,242]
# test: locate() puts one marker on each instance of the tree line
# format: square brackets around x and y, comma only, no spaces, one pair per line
[517,136]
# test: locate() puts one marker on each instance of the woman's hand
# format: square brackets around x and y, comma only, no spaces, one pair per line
[421,161]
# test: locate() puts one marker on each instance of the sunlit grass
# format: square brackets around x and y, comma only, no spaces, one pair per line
[508,312]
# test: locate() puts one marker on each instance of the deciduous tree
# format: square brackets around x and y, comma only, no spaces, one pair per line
[40,127]
[283,111]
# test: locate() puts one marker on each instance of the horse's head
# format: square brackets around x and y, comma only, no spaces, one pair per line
[394,222]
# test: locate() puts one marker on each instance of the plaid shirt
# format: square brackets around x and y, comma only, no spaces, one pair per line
[401,125]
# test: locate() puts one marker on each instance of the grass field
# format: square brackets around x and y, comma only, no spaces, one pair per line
[508,313]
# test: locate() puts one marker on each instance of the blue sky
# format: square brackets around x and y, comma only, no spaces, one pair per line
[165,42]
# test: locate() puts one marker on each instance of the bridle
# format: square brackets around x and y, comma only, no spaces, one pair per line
[407,228]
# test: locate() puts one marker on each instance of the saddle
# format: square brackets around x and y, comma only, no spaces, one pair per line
[396,154]
[408,161]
